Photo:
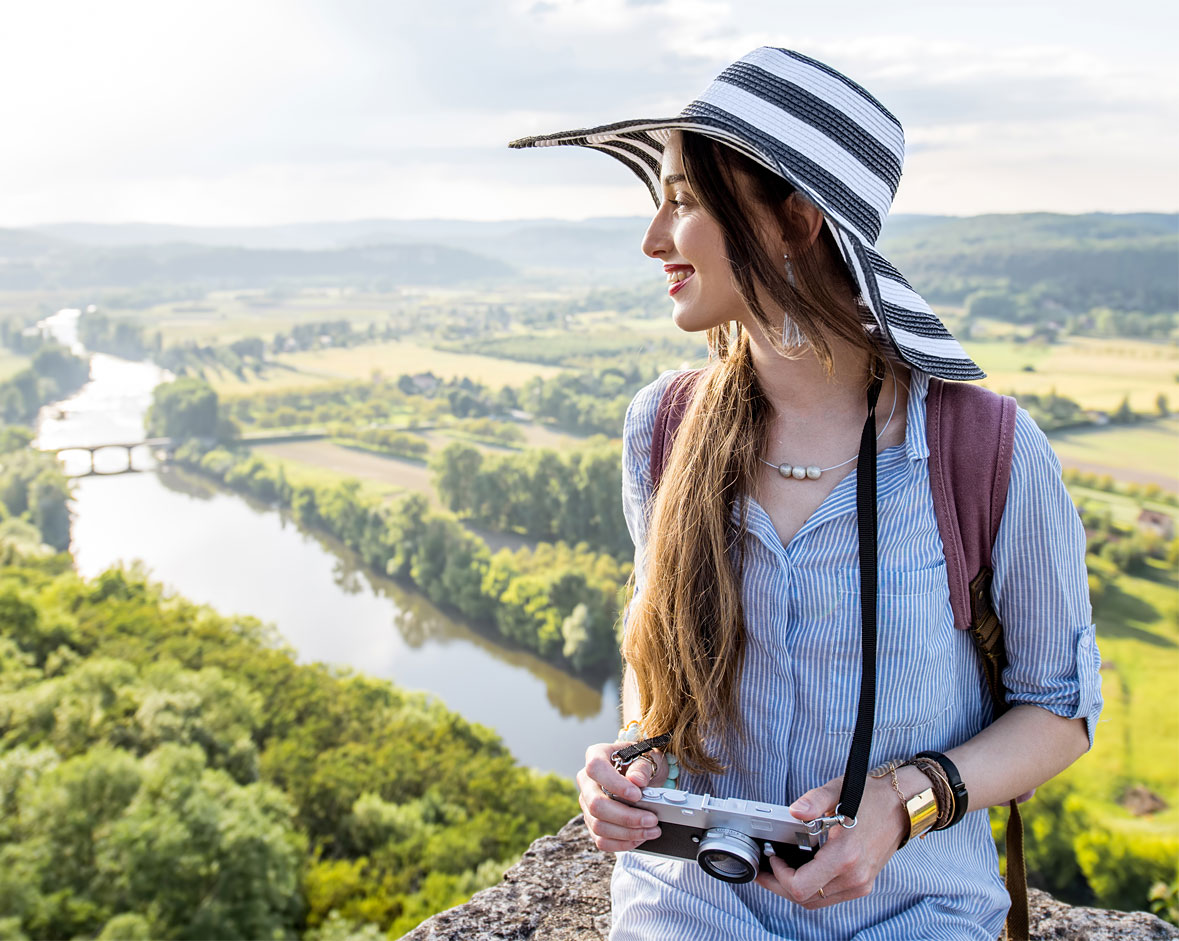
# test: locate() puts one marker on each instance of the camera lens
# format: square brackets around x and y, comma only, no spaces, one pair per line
[728,855]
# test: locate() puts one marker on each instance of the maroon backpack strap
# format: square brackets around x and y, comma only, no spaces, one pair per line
[971,435]
[673,404]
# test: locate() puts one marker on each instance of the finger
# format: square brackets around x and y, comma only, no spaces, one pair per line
[599,769]
[621,834]
[840,868]
[818,801]
[817,874]
[782,882]
[828,897]
[597,806]
[641,772]
[779,880]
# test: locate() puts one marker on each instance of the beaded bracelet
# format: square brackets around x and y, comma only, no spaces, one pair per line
[633,732]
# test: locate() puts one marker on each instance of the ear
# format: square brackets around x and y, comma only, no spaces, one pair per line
[812,217]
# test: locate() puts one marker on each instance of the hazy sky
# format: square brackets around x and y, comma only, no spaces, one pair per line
[266,111]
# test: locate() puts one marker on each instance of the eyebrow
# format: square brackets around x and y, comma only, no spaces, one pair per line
[673,178]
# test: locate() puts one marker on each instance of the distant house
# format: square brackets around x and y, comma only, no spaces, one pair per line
[1161,523]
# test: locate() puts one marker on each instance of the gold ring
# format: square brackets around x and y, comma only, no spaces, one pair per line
[822,894]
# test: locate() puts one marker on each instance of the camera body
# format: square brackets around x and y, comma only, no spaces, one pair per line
[731,839]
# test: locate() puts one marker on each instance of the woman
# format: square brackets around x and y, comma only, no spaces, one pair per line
[742,641]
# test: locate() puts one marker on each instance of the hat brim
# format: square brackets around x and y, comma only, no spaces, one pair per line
[903,315]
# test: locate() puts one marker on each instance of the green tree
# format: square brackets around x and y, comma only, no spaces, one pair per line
[185,408]
[455,469]
[14,438]
[1124,415]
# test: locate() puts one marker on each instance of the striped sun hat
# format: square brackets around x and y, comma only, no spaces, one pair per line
[832,140]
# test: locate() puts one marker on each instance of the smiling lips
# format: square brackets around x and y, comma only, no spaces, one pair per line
[678,276]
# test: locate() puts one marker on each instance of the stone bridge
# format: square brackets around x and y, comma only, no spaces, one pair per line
[156,445]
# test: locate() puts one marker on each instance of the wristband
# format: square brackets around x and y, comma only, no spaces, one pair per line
[961,795]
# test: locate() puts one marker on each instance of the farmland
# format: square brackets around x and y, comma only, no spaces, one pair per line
[1097,373]
[393,359]
[1143,453]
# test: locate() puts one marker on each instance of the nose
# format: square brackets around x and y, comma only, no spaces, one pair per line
[657,240]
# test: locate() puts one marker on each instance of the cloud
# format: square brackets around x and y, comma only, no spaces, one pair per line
[228,103]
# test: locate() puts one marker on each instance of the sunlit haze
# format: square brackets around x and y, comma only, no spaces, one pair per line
[273,111]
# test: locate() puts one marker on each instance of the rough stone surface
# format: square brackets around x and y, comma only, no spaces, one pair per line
[1052,920]
[560,891]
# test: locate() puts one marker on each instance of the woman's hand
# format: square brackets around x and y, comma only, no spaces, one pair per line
[614,825]
[848,863]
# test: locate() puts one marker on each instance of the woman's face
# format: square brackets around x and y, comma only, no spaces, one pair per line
[691,246]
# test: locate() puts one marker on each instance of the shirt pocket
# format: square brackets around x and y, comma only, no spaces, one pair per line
[915,649]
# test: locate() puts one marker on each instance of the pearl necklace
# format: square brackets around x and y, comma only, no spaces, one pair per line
[813,471]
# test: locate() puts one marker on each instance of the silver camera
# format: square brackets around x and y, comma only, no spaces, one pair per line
[731,839]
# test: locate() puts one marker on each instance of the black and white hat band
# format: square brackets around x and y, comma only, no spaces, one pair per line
[832,140]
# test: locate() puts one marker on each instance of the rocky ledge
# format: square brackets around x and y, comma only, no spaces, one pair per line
[560,891]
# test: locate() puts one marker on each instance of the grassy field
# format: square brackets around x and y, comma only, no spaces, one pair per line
[1138,738]
[11,363]
[1096,373]
[309,462]
[1144,453]
[316,367]
[393,359]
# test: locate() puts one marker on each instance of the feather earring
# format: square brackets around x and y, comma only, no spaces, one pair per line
[792,337]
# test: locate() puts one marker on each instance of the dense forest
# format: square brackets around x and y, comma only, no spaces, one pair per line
[166,772]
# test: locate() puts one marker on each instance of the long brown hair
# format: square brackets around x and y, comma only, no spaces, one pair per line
[685,636]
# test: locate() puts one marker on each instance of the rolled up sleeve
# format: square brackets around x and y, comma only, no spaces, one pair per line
[1041,588]
[637,488]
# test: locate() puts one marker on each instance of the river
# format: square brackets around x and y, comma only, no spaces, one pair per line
[217,547]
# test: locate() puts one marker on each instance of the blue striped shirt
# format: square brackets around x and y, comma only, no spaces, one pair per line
[800,684]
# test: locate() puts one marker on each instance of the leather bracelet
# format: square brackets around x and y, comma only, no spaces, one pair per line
[961,795]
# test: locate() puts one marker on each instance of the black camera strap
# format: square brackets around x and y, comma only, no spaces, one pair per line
[855,774]
[625,757]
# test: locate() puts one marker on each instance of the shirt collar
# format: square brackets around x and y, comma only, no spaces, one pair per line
[915,444]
